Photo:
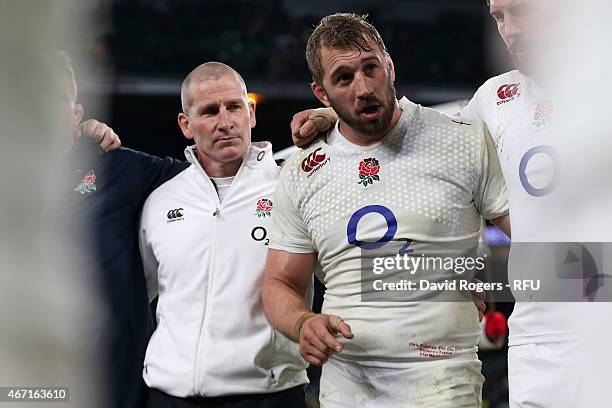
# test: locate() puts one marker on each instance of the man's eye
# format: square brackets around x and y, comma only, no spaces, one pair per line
[369,68]
[209,111]
[233,107]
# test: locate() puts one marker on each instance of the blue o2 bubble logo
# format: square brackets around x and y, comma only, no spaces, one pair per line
[351,229]
[529,188]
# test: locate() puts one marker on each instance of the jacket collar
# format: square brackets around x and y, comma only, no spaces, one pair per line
[258,154]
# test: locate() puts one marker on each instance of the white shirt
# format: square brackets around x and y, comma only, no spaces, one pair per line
[206,260]
[222,184]
[435,179]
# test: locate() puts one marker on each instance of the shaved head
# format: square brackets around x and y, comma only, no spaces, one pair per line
[209,71]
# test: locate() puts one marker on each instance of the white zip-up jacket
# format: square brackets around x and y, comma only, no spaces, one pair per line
[206,260]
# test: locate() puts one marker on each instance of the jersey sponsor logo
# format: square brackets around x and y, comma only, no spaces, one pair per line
[508,93]
[389,235]
[263,208]
[368,171]
[314,161]
[527,157]
[175,215]
[87,184]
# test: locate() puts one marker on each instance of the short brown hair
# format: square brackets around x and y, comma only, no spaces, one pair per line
[342,31]
[208,71]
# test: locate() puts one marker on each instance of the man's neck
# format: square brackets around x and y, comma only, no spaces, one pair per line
[220,169]
[359,139]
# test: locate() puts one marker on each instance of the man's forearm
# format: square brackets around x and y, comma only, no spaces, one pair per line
[503,223]
[283,306]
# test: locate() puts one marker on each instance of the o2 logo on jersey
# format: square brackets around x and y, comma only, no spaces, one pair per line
[260,234]
[387,214]
[527,157]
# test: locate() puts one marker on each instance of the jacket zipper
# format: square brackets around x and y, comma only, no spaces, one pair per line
[197,368]
[197,377]
[196,374]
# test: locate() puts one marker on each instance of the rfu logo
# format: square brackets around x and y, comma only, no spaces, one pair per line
[175,215]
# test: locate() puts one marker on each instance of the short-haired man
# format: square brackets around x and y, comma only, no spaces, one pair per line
[390,174]
[203,237]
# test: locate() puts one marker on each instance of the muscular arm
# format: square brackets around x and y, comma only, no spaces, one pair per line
[287,278]
[286,281]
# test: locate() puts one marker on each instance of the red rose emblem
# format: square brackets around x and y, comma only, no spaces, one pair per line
[544,109]
[89,178]
[264,205]
[369,167]
[368,171]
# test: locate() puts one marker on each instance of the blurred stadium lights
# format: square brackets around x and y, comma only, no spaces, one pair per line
[254,97]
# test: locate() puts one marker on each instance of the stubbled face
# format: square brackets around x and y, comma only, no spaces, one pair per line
[359,86]
[219,120]
[522,24]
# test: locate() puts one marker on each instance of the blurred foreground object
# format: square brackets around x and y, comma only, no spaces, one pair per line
[46,301]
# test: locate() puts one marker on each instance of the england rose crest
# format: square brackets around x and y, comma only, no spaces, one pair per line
[368,171]
[542,113]
[264,207]
[87,184]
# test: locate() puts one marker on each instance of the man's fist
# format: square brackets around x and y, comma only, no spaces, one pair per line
[101,134]
[318,337]
[307,125]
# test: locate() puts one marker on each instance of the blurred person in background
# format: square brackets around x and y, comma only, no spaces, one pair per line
[106,190]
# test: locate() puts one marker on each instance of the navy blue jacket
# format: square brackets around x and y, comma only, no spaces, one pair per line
[110,206]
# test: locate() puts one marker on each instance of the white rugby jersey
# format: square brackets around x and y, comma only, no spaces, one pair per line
[520,118]
[206,260]
[432,177]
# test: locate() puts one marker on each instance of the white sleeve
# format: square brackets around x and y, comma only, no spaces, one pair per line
[490,194]
[149,261]
[289,232]
[471,111]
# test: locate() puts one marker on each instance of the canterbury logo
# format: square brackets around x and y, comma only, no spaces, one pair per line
[174,214]
[508,91]
[313,160]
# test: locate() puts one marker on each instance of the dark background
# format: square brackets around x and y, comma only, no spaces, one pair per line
[141,51]
[442,51]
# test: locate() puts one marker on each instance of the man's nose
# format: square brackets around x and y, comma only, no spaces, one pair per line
[363,87]
[224,120]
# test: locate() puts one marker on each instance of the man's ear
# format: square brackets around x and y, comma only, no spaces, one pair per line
[320,93]
[79,112]
[391,66]
[252,118]
[183,122]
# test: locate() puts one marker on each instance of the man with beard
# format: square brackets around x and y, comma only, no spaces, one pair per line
[390,175]
[518,110]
